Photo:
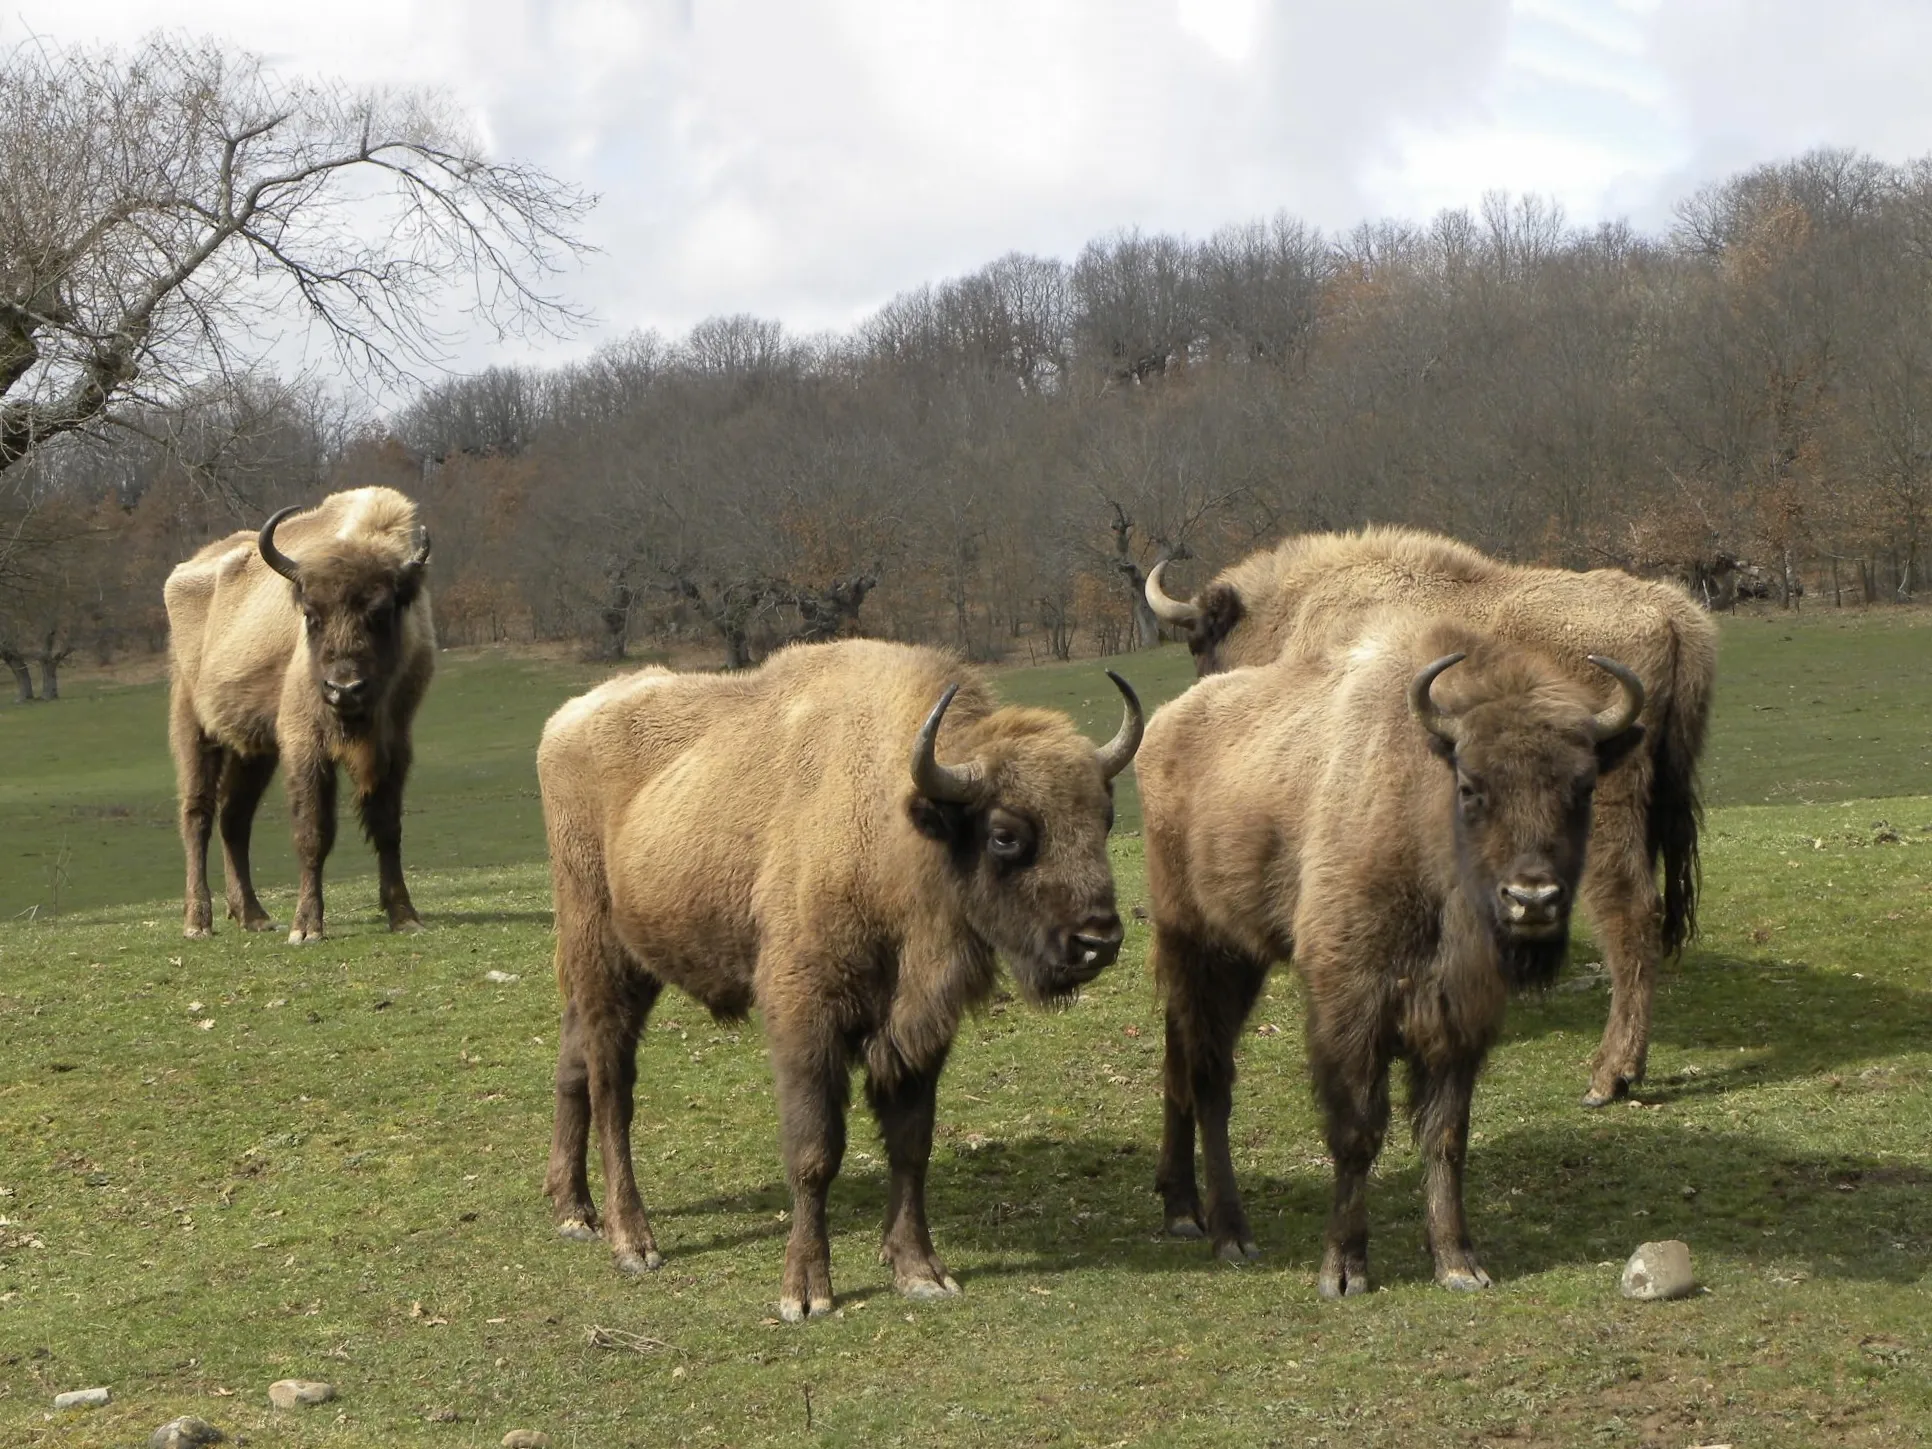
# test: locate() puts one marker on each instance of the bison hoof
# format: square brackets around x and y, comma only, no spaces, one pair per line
[794,1311]
[1239,1254]
[408,925]
[636,1264]
[1604,1096]
[1463,1280]
[198,933]
[259,923]
[300,937]
[1185,1227]
[927,1290]
[577,1230]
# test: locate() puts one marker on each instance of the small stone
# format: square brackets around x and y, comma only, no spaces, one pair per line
[187,1432]
[1659,1270]
[526,1439]
[82,1399]
[288,1393]
[501,978]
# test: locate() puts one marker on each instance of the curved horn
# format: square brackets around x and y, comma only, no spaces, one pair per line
[1115,754]
[1422,704]
[273,556]
[1168,610]
[960,784]
[1630,703]
[421,555]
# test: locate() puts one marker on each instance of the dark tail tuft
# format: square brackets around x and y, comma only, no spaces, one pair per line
[1676,812]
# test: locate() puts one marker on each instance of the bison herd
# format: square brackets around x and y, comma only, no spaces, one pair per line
[1385,774]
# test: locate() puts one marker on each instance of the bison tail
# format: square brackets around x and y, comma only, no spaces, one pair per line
[1676,810]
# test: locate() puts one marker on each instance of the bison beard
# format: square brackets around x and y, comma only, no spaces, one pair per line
[1260,789]
[842,836]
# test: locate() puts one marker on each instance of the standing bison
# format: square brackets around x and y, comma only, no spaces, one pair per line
[1320,588]
[842,837]
[323,665]
[1414,859]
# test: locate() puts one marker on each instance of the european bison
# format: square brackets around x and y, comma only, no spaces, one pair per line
[843,836]
[1321,588]
[323,665]
[1415,861]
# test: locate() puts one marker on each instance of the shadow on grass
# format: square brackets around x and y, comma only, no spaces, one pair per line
[1794,1021]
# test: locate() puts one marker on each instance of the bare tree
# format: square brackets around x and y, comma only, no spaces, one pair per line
[161,210]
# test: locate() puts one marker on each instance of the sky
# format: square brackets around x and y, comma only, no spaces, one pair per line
[807,160]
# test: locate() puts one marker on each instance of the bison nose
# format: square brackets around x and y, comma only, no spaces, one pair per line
[1531,901]
[348,691]
[1095,945]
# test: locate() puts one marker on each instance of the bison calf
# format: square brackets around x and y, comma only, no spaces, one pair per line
[843,837]
[1415,856]
[309,642]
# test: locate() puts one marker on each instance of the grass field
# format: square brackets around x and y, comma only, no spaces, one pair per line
[229,1162]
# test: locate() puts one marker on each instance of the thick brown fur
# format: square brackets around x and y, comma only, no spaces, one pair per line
[249,652]
[1299,810]
[757,839]
[1317,588]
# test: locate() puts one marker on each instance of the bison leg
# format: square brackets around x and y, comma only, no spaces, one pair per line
[1626,915]
[1209,995]
[197,769]
[1439,1104]
[1351,1074]
[380,803]
[243,779]
[606,1037]
[905,1112]
[311,810]
[809,1067]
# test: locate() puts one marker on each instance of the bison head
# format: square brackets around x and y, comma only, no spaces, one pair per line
[1205,623]
[1025,821]
[353,600]
[1526,748]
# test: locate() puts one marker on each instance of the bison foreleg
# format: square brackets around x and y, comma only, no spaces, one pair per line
[311,809]
[905,1111]
[566,1181]
[1439,1104]
[243,779]
[380,802]
[607,1035]
[808,1064]
[1352,1083]
[1174,1176]
[197,762]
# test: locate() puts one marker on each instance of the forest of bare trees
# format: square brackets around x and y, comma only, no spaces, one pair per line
[993,461]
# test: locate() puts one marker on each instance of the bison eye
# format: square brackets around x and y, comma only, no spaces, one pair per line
[1009,840]
[311,620]
[1469,795]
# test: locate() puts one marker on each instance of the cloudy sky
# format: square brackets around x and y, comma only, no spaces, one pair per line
[808,159]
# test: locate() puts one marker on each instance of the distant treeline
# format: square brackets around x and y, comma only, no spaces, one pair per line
[994,460]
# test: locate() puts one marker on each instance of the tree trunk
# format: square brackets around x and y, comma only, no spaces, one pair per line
[23,679]
[615,617]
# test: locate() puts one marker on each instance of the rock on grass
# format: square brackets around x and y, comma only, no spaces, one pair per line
[1659,1270]
[289,1393]
[83,1399]
[187,1432]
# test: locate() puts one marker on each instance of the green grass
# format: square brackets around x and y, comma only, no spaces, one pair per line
[340,1177]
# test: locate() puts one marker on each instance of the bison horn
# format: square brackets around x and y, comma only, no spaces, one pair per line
[1115,754]
[1630,702]
[1168,610]
[959,784]
[421,555]
[1422,704]
[273,556]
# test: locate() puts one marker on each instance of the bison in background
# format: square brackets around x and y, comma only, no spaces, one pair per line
[1319,589]
[843,837]
[1414,860]
[311,643]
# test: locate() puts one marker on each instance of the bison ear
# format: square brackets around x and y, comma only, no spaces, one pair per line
[409,583]
[1618,748]
[1221,610]
[934,820]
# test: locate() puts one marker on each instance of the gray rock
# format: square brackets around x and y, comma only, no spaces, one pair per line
[501,978]
[288,1393]
[187,1432]
[1659,1270]
[82,1399]
[526,1439]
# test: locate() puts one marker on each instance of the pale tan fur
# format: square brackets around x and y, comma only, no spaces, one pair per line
[1315,589]
[754,838]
